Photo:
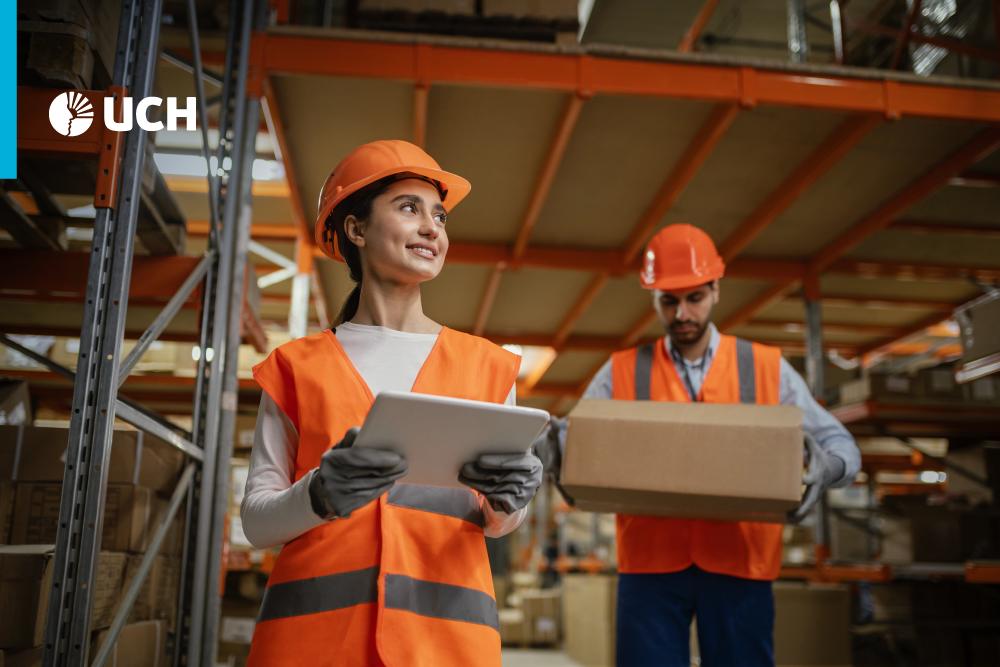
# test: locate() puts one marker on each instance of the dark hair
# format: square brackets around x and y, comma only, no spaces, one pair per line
[359,204]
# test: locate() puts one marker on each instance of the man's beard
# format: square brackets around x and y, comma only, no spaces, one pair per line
[686,336]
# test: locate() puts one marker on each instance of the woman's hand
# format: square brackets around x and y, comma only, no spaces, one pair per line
[509,481]
[349,478]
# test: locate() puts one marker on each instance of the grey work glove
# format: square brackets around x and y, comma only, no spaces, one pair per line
[349,478]
[823,471]
[549,447]
[509,481]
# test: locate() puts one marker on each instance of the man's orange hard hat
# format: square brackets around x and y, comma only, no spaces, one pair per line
[680,257]
[376,160]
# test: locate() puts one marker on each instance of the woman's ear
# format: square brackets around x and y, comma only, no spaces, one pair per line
[355,230]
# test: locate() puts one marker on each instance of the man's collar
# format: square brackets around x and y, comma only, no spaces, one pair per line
[713,344]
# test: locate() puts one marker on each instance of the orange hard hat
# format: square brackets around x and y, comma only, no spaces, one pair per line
[376,160]
[680,257]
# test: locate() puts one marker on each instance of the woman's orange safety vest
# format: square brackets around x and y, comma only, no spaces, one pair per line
[741,372]
[404,580]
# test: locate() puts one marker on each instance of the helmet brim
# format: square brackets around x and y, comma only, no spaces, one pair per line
[456,188]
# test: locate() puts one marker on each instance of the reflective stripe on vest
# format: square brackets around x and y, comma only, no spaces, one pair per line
[457,503]
[744,367]
[428,598]
[319,594]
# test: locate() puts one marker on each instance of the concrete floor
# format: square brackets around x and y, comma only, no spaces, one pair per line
[526,657]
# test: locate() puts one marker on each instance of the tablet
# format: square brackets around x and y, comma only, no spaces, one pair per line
[437,434]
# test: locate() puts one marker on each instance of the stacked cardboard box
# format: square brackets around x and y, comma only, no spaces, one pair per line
[812,625]
[589,613]
[25,581]
[541,615]
[141,471]
[142,644]
[15,402]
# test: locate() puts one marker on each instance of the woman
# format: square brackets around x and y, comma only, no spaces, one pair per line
[375,572]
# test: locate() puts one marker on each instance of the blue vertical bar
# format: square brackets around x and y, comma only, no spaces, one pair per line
[8,89]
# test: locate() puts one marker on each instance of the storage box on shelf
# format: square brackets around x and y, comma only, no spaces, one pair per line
[589,614]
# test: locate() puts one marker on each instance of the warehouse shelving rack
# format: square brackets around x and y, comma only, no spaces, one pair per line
[101,371]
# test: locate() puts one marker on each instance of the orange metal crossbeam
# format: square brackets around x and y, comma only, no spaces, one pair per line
[840,142]
[567,122]
[579,308]
[421,92]
[489,296]
[832,327]
[956,228]
[295,193]
[279,53]
[979,147]
[700,21]
[856,301]
[901,334]
[684,171]
[905,271]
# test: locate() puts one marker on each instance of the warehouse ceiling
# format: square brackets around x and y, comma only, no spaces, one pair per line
[565,185]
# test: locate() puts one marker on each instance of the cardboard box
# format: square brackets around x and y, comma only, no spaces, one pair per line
[25,581]
[589,615]
[236,630]
[938,383]
[541,615]
[984,391]
[513,627]
[15,402]
[6,511]
[38,454]
[812,625]
[699,460]
[129,516]
[139,645]
[878,387]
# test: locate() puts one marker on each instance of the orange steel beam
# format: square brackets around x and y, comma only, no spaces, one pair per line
[902,271]
[580,71]
[976,149]
[684,171]
[903,333]
[199,185]
[832,327]
[746,312]
[579,308]
[884,302]
[905,34]
[281,138]
[840,142]
[700,21]
[489,296]
[567,122]
[956,228]
[421,92]
[979,147]
[259,231]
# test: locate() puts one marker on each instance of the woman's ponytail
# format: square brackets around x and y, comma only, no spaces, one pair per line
[359,205]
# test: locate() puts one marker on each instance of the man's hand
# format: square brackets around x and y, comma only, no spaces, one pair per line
[823,471]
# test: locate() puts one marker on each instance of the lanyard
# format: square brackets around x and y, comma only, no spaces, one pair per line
[683,367]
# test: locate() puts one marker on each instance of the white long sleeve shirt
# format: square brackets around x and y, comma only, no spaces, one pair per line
[829,433]
[275,509]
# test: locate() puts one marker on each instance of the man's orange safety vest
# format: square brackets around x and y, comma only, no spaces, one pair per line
[741,372]
[404,580]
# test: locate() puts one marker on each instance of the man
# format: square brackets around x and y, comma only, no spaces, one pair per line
[720,572]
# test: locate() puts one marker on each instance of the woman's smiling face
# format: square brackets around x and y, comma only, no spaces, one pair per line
[404,240]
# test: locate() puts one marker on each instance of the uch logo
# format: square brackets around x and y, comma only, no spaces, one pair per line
[71,114]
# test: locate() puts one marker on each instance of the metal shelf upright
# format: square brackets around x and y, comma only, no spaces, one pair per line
[101,371]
